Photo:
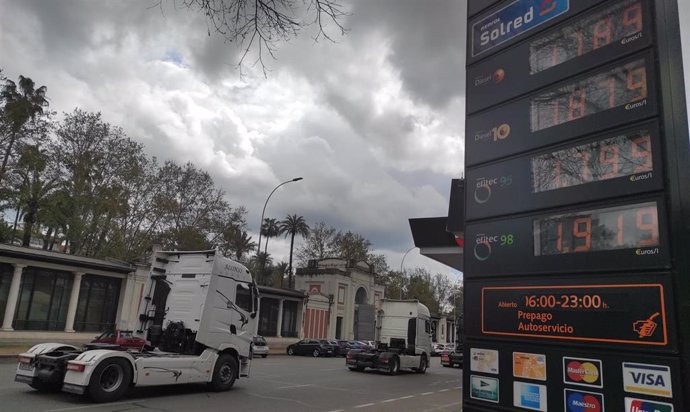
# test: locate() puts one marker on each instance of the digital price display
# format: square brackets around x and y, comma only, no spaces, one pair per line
[611,237]
[613,164]
[603,34]
[622,227]
[512,21]
[626,314]
[622,85]
[619,94]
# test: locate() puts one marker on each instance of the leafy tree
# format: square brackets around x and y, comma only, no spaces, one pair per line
[20,104]
[240,244]
[291,226]
[262,24]
[318,244]
[351,246]
[36,181]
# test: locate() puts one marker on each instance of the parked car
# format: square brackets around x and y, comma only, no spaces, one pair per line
[260,346]
[337,351]
[452,359]
[311,347]
[370,343]
[355,344]
[343,347]
[438,349]
[118,339]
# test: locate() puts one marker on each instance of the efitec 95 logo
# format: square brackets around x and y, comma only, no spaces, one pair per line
[513,20]
[482,189]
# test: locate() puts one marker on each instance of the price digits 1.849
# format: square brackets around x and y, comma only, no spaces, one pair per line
[626,227]
[622,86]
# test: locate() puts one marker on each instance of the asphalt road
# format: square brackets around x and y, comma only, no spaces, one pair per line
[279,383]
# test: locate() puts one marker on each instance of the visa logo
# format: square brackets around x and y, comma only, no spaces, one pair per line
[513,20]
[648,379]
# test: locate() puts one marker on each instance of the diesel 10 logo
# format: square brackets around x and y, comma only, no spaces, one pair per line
[513,20]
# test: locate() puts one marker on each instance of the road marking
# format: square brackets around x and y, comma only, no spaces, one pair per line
[389,400]
[406,397]
[366,405]
[295,386]
[338,410]
[444,390]
[458,387]
[102,405]
[427,393]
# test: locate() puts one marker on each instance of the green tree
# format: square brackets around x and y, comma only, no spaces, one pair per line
[240,244]
[291,226]
[351,246]
[269,229]
[318,244]
[20,104]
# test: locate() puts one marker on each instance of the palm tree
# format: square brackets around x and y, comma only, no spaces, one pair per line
[240,243]
[20,105]
[293,225]
[269,229]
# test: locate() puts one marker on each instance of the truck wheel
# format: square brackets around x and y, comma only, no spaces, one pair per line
[423,363]
[291,351]
[224,373]
[316,353]
[110,380]
[393,366]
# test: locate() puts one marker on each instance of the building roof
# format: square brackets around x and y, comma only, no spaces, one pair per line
[20,252]
[435,242]
[282,292]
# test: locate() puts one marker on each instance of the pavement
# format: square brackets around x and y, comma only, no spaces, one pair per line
[277,383]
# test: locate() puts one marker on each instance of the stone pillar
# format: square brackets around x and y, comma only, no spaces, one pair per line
[279,332]
[73,301]
[13,297]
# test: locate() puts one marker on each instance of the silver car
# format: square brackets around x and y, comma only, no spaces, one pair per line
[260,346]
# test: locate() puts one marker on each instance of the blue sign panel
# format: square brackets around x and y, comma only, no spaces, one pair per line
[513,20]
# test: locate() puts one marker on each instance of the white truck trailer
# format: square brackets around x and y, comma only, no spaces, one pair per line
[403,339]
[198,316]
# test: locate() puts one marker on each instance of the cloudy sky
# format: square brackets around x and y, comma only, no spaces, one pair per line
[373,122]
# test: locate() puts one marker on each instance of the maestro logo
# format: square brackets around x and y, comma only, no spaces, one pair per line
[578,401]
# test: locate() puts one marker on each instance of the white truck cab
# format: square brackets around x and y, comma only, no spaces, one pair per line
[199,317]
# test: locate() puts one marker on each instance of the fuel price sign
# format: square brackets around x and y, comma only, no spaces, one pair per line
[612,237]
[618,94]
[618,163]
[607,32]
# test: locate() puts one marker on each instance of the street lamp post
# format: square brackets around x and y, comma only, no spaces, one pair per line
[297,179]
[401,266]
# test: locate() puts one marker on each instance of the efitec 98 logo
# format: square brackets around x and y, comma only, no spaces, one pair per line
[482,189]
[484,244]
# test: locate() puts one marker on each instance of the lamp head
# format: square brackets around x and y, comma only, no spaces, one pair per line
[297,179]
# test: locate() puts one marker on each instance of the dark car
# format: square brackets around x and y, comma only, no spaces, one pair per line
[355,344]
[452,359]
[336,347]
[342,347]
[311,347]
[118,339]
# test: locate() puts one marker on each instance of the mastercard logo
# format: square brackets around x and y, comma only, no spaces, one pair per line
[585,372]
